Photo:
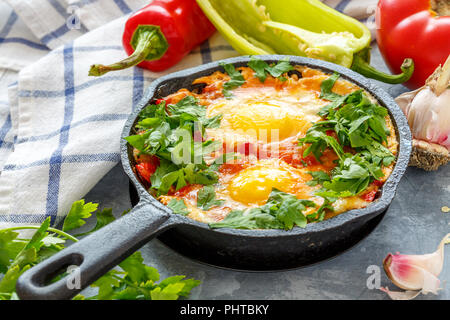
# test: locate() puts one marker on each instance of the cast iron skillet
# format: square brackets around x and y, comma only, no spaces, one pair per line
[243,249]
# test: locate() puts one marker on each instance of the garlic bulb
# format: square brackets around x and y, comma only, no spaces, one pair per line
[428,112]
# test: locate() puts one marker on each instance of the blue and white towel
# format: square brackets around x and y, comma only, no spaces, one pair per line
[59,128]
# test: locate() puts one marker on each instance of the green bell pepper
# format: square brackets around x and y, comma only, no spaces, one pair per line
[306,28]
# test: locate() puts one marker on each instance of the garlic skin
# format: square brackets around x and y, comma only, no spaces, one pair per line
[415,273]
[428,115]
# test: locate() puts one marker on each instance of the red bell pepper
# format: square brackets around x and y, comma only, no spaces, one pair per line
[159,35]
[417,29]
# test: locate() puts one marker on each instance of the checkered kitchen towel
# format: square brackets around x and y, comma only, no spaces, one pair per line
[59,128]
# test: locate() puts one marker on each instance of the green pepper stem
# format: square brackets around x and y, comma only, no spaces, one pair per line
[149,44]
[57,231]
[363,67]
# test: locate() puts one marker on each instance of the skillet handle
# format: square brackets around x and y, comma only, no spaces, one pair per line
[95,255]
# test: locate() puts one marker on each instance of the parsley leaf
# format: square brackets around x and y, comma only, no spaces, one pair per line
[8,248]
[137,271]
[189,284]
[278,69]
[78,212]
[288,209]
[326,87]
[350,176]
[319,141]
[282,211]
[254,218]
[262,68]
[318,177]
[206,198]
[168,174]
[178,206]
[319,215]
[8,283]
[104,217]
[259,66]
[28,254]
[236,80]
[107,284]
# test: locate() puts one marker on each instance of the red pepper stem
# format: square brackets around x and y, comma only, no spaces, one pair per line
[363,67]
[149,44]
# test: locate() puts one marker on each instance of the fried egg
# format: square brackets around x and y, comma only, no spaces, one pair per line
[253,185]
[259,117]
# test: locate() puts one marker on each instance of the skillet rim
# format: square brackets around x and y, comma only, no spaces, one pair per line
[380,205]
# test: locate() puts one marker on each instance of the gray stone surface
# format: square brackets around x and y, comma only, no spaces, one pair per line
[414,224]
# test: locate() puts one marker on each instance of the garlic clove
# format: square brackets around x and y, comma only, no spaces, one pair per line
[405,99]
[405,274]
[415,273]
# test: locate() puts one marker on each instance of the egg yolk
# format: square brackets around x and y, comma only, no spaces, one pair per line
[254,185]
[265,121]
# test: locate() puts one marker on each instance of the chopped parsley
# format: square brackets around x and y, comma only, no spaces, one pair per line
[358,123]
[282,211]
[168,133]
[206,198]
[319,215]
[178,207]
[262,68]
[318,178]
[236,80]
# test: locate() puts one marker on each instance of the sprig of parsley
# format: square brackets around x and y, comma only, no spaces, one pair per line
[132,280]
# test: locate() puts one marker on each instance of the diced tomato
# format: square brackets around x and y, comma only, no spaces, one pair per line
[186,189]
[370,196]
[294,158]
[146,166]
[231,168]
[146,170]
[310,160]
[167,100]
[378,183]
[290,153]
[330,133]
